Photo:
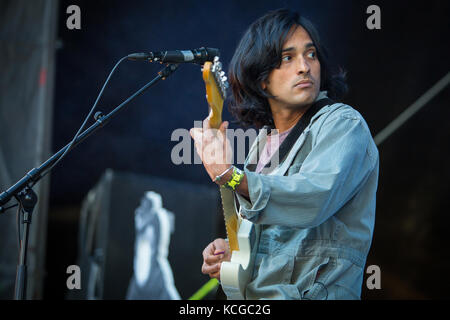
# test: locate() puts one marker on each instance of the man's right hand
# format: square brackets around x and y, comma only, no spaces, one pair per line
[213,255]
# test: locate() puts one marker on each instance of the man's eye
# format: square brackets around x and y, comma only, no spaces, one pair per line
[286,58]
[312,54]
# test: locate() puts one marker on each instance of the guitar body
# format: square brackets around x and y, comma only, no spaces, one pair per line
[237,273]
[242,234]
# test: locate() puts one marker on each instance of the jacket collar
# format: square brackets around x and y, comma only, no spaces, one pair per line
[281,169]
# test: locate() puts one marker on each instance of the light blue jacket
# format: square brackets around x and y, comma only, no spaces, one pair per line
[316,211]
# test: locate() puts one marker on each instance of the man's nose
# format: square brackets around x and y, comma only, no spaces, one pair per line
[302,66]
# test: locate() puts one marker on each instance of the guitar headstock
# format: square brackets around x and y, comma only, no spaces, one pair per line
[216,90]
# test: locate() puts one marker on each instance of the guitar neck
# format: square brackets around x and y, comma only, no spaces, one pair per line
[215,117]
[231,219]
[216,84]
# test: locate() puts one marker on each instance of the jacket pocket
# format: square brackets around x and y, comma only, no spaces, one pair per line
[338,279]
[272,278]
[310,275]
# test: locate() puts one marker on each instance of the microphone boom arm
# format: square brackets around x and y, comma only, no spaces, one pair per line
[34,175]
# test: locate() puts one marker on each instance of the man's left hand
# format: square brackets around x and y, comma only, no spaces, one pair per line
[213,147]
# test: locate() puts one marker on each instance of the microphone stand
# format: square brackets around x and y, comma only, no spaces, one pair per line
[24,194]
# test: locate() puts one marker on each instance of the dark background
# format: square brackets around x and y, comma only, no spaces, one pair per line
[388,70]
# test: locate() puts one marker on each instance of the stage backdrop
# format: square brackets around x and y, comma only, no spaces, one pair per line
[27,59]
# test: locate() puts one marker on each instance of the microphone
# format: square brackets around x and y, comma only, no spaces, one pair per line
[200,56]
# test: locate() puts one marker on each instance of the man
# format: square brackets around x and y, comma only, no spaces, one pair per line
[316,209]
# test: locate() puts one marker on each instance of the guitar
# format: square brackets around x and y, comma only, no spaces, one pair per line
[242,234]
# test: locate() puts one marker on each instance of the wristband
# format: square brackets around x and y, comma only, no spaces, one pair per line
[235,180]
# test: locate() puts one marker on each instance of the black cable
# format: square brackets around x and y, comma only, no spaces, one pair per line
[84,123]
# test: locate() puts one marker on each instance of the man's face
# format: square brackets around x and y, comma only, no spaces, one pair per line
[296,83]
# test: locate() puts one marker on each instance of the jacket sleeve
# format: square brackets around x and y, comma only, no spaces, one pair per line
[332,173]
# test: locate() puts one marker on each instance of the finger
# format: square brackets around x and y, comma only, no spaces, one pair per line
[196,133]
[224,126]
[192,132]
[206,124]
[209,250]
[211,259]
[208,269]
[218,251]
[199,149]
[209,134]
[215,275]
[215,250]
[198,143]
[220,244]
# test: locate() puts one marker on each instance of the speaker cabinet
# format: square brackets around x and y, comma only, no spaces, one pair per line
[107,232]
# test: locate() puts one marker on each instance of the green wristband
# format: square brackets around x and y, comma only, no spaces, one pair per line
[235,180]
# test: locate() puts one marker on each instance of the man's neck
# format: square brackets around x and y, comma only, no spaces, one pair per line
[286,118]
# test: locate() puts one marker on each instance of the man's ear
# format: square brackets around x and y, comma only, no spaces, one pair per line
[263,85]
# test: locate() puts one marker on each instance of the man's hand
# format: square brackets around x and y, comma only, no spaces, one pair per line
[213,255]
[213,147]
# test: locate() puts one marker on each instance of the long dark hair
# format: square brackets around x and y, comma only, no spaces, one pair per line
[258,53]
